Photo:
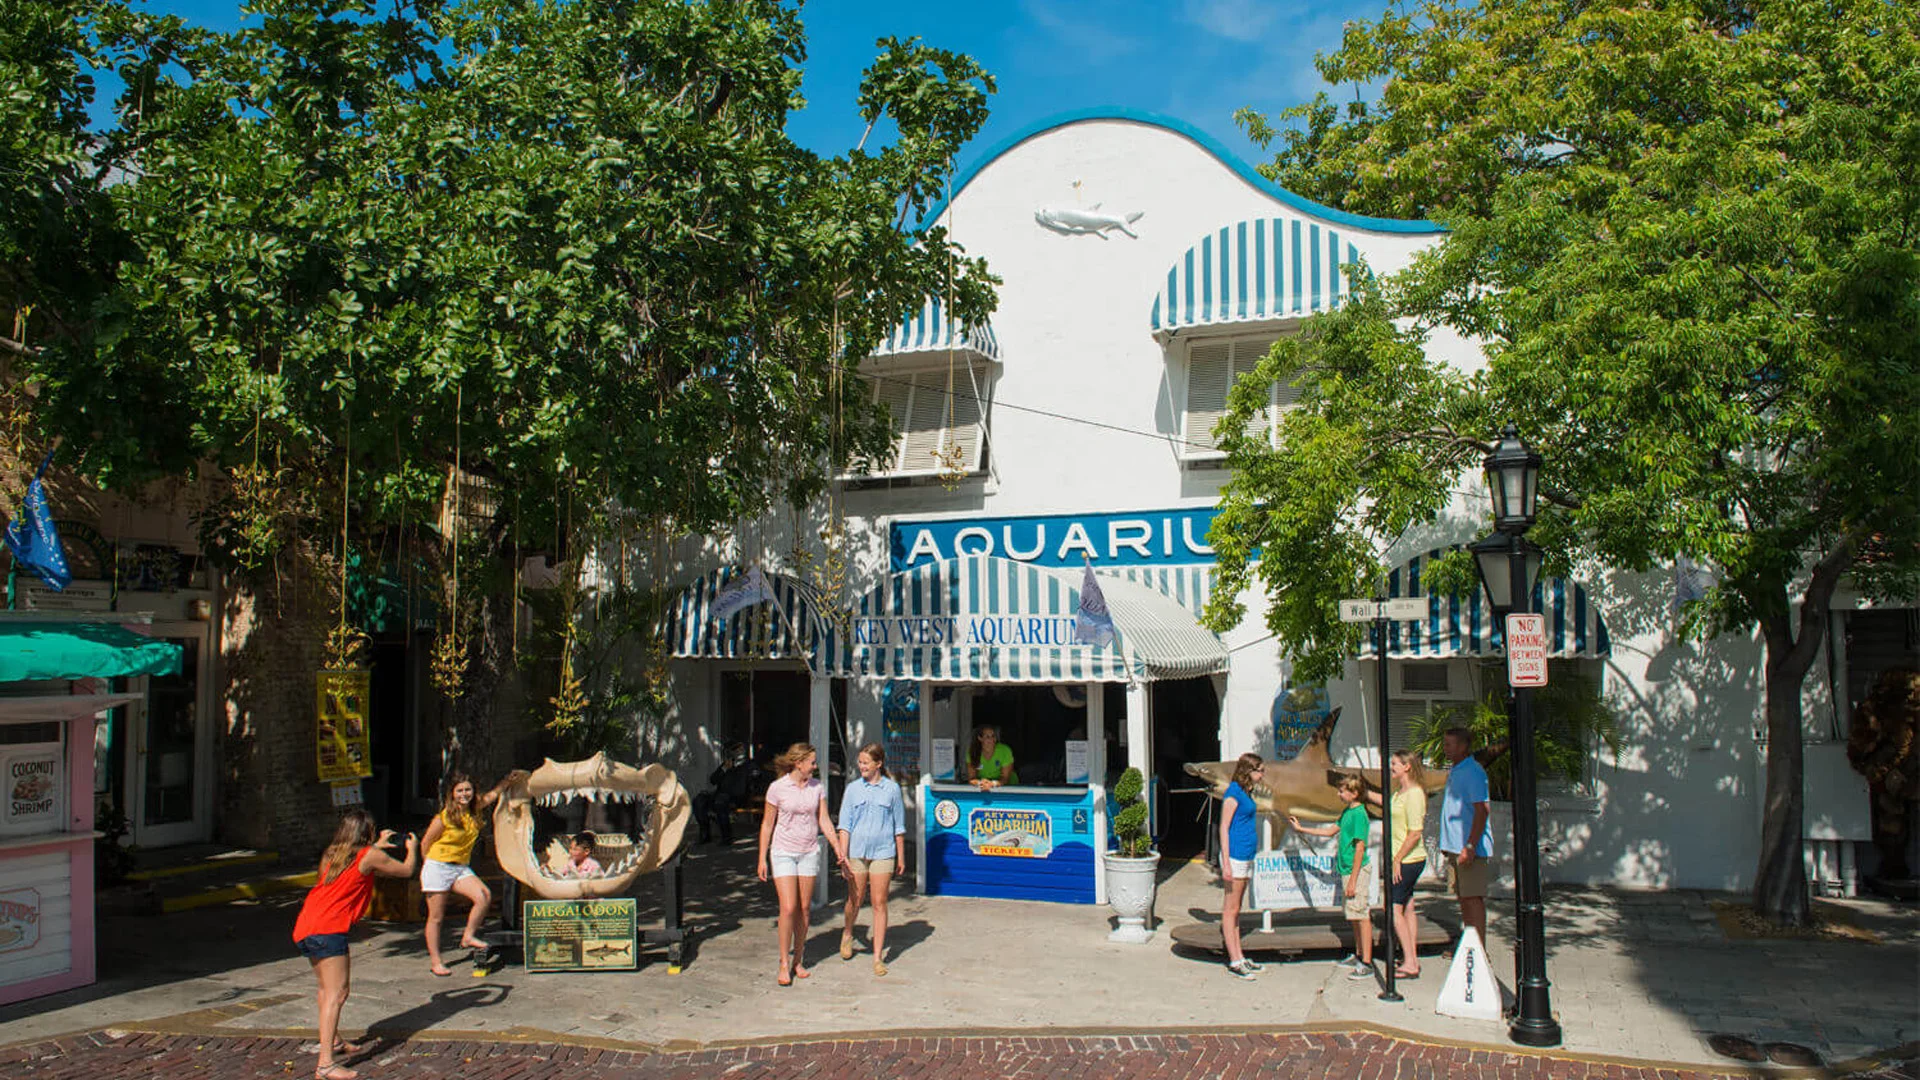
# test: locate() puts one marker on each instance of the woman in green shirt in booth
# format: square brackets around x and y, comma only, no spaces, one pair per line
[991,763]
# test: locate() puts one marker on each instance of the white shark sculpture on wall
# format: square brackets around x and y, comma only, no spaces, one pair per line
[1076,220]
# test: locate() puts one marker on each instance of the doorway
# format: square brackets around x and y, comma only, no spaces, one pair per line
[1186,728]
[170,768]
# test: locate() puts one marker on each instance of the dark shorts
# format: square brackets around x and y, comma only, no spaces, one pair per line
[1409,877]
[322,946]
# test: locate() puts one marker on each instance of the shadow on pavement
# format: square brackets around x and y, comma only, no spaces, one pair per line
[435,1012]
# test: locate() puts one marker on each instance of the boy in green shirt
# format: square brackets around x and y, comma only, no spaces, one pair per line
[1350,858]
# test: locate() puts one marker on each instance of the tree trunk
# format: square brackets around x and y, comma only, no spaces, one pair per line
[1780,884]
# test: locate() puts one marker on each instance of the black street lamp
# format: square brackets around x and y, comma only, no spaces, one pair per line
[1508,567]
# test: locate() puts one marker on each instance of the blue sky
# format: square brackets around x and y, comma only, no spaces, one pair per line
[1197,60]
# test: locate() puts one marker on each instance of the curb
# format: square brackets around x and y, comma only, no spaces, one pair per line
[244,890]
[204,1023]
[204,866]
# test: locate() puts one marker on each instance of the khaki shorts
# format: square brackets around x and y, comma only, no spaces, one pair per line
[1357,905]
[863,867]
[1471,880]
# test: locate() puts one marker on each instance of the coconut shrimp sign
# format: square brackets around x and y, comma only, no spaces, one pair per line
[32,790]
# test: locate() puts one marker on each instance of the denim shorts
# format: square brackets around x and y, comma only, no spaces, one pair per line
[322,946]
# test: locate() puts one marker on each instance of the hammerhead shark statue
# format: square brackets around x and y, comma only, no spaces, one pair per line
[1306,786]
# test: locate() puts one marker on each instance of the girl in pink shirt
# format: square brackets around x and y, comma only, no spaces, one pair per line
[789,838]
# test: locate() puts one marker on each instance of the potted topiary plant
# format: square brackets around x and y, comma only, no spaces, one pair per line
[1131,868]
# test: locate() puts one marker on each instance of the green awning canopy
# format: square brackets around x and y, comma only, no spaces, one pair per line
[31,650]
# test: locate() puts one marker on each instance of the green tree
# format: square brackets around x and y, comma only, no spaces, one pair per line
[1684,235]
[569,244]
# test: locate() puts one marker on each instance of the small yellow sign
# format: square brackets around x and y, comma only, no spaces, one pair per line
[340,726]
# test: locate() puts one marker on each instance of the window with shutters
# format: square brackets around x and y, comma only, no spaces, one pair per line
[932,414]
[1213,366]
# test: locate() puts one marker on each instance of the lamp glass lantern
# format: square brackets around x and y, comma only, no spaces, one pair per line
[1513,482]
[1493,557]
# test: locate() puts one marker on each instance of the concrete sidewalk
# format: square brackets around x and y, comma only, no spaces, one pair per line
[1643,977]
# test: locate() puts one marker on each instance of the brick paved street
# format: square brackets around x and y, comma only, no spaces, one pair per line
[1161,1057]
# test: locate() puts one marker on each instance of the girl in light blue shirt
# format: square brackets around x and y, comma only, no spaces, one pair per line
[873,831]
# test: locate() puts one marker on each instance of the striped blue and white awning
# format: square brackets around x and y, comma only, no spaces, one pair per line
[1268,268]
[790,629]
[983,619]
[932,331]
[1189,586]
[1464,626]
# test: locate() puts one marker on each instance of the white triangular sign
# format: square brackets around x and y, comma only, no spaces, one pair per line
[1471,990]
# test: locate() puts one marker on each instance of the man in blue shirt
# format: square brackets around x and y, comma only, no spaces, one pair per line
[1463,829]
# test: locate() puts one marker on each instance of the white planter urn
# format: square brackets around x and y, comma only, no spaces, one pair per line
[1130,885]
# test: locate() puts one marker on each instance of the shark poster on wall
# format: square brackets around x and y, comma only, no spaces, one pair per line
[581,935]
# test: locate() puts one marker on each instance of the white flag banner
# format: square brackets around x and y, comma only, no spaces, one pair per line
[749,590]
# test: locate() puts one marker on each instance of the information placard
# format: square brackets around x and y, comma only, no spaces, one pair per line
[943,759]
[581,935]
[1077,760]
[1301,873]
[340,724]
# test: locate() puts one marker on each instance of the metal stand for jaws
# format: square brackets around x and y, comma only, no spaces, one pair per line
[672,934]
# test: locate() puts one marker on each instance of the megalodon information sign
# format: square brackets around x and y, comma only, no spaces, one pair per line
[581,935]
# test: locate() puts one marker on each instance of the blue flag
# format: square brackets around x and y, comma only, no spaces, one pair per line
[1092,624]
[34,541]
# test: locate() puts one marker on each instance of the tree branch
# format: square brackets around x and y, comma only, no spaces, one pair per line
[1820,587]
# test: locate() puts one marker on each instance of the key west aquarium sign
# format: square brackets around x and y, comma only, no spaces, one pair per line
[1141,538]
[1019,834]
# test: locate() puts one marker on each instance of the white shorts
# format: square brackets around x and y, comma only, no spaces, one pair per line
[437,876]
[785,865]
[1242,868]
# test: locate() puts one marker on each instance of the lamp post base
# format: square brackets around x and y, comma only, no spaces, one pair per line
[1531,1032]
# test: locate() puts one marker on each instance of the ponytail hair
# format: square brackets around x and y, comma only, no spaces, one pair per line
[1416,771]
[1244,768]
[795,754]
[354,832]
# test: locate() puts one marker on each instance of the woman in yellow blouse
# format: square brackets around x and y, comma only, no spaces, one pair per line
[1409,855]
[449,844]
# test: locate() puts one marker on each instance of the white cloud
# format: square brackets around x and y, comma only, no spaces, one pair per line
[1240,20]
[1083,32]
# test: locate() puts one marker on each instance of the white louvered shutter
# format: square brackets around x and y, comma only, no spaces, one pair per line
[925,424]
[1209,370]
[896,393]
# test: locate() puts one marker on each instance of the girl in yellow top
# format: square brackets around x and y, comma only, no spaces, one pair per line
[1409,855]
[448,866]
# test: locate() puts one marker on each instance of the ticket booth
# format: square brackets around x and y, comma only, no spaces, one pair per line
[57,675]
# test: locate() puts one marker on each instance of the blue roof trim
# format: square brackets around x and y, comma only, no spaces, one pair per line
[1205,141]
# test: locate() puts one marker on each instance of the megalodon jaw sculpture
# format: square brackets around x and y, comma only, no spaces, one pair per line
[664,805]
[1305,786]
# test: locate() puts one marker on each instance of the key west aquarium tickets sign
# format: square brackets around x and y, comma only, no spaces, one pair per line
[1139,538]
[1018,834]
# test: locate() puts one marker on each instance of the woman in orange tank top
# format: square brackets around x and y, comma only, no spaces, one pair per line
[336,901]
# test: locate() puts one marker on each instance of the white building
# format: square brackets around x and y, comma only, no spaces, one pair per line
[1144,266]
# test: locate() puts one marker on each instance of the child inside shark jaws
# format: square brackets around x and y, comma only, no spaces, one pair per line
[664,811]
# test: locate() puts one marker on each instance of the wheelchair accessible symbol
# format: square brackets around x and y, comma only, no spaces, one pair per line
[1080,821]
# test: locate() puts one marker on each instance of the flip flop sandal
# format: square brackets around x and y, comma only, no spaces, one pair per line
[1398,974]
[879,968]
[846,948]
[785,978]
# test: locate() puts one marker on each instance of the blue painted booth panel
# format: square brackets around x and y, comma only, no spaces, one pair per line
[1011,844]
